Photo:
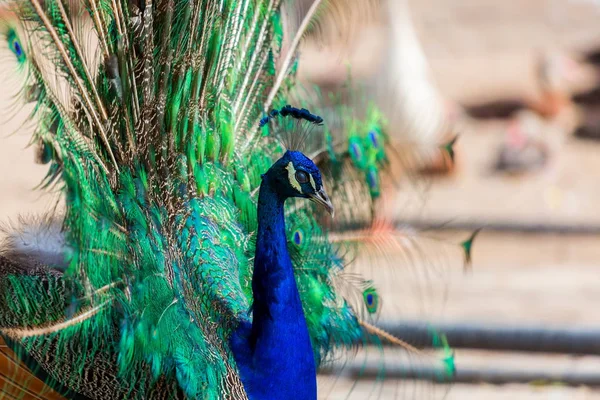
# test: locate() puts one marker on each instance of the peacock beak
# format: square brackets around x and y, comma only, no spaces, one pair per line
[322,199]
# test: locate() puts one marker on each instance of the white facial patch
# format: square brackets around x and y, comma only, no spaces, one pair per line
[292,177]
[312,183]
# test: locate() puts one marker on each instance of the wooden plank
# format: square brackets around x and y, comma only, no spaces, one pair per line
[17,381]
[500,337]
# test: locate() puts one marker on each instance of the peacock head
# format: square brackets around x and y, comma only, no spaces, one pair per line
[295,175]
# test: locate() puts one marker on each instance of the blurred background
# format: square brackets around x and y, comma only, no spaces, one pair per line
[519,83]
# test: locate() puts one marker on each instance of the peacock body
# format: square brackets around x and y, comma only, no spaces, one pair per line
[176,271]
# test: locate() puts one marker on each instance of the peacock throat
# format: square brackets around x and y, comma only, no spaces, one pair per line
[274,353]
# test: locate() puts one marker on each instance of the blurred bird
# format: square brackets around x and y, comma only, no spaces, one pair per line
[553,73]
[525,147]
[382,52]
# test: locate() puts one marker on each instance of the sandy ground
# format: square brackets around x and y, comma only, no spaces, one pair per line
[478,49]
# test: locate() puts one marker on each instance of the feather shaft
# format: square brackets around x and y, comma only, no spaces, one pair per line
[291,52]
[79,52]
[22,333]
[84,93]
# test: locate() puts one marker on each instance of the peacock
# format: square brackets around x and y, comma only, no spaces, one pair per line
[188,262]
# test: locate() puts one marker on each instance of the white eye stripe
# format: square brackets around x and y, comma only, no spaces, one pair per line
[312,182]
[292,177]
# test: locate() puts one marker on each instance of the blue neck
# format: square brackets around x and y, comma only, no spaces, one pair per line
[274,354]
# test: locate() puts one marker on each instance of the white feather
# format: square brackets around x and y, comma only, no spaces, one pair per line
[35,240]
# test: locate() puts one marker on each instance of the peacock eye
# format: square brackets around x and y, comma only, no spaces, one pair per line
[301,177]
[15,45]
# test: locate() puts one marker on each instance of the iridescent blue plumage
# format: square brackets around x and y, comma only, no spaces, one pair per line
[273,351]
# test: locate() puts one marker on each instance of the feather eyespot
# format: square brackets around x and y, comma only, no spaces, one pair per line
[17,49]
[298,237]
[356,152]
[15,45]
[372,178]
[302,177]
[371,299]
[373,138]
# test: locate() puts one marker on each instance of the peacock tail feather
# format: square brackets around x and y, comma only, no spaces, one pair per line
[153,126]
